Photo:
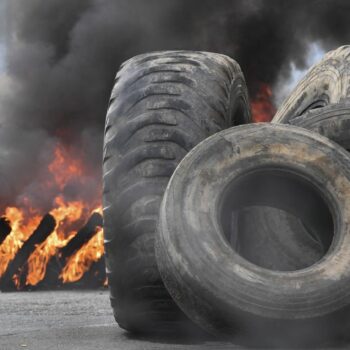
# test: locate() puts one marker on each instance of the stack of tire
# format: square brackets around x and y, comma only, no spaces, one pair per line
[215,223]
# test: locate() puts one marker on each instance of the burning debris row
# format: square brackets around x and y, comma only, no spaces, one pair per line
[14,277]
[57,263]
[5,229]
[73,197]
[45,228]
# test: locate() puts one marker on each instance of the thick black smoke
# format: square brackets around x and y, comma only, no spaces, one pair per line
[62,57]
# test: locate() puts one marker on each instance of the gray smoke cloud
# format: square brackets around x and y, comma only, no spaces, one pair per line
[61,58]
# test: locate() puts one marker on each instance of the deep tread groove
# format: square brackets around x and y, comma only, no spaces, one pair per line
[151,73]
[144,142]
[150,95]
[210,104]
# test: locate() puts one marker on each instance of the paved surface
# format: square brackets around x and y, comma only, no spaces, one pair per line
[75,320]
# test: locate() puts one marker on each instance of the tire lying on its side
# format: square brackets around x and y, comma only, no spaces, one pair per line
[325,83]
[282,166]
[162,105]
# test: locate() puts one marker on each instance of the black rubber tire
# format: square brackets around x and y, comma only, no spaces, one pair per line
[224,293]
[332,121]
[162,105]
[325,83]
[293,247]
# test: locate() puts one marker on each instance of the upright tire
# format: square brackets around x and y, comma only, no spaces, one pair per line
[325,83]
[162,105]
[281,166]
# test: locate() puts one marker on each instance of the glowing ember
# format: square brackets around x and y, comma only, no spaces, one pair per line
[69,216]
[263,109]
[16,280]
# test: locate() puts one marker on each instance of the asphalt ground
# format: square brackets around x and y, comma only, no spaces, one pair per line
[77,320]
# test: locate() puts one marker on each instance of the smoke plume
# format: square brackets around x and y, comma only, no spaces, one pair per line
[61,58]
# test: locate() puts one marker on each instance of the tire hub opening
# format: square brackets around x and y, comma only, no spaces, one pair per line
[296,233]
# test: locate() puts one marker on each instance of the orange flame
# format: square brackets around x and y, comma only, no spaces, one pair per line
[263,109]
[64,168]
[69,216]
[81,261]
[37,262]
[22,228]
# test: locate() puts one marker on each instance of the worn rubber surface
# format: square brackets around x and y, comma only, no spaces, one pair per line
[332,121]
[162,105]
[325,83]
[263,240]
[222,292]
[277,240]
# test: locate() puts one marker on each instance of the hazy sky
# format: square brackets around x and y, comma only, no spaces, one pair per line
[283,87]
[2,34]
[61,58]
[2,57]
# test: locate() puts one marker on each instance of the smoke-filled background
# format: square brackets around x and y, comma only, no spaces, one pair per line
[58,60]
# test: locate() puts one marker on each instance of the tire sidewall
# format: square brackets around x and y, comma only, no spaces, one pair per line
[212,283]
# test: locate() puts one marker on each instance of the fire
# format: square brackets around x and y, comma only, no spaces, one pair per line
[64,214]
[22,228]
[69,216]
[82,260]
[263,109]
[64,168]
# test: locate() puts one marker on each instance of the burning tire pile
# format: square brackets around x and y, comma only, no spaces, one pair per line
[210,221]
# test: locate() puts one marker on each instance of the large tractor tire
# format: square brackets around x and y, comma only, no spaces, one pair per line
[162,105]
[277,165]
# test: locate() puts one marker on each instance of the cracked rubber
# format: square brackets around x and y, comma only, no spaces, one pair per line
[162,105]
[214,286]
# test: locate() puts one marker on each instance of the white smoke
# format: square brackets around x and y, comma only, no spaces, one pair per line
[284,86]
